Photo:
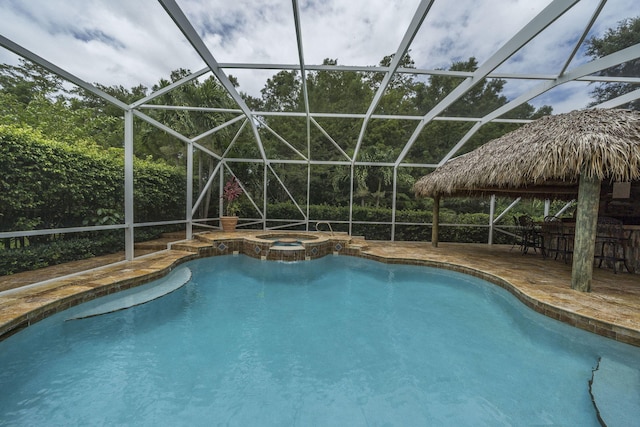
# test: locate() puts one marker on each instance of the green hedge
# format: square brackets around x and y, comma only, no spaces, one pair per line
[85,245]
[50,184]
[72,247]
[56,252]
[373,231]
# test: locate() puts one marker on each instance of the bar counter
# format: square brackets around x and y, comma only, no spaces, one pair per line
[631,250]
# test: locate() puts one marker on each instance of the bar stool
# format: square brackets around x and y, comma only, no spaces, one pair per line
[613,240]
[530,236]
[559,241]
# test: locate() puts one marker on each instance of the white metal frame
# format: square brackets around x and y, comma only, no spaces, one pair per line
[550,14]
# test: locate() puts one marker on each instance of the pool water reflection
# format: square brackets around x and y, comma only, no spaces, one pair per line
[333,341]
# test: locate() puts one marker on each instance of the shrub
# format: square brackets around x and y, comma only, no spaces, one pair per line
[50,184]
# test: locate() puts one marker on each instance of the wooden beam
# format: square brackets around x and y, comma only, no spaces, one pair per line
[536,189]
[585,235]
[435,221]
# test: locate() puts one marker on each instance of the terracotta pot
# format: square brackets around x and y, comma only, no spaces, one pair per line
[228,223]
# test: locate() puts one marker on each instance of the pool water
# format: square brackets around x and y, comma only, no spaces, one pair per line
[334,341]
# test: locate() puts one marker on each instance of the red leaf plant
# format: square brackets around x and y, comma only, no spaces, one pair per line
[232,191]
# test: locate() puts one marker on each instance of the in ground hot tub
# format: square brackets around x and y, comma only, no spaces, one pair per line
[288,237]
[294,246]
[280,245]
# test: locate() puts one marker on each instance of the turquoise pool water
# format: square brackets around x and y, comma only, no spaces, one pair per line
[335,341]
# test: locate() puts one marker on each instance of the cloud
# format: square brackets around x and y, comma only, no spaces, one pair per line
[113,43]
[469,29]
[565,98]
[124,42]
[356,32]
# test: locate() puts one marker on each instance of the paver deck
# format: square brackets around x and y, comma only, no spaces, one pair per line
[612,308]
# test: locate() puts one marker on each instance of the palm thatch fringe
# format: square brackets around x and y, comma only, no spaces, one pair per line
[549,152]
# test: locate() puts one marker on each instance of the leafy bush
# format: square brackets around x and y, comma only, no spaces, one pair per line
[50,184]
[72,247]
[377,231]
[56,252]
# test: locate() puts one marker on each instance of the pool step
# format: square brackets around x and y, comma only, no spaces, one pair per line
[156,245]
[175,235]
[173,241]
[134,296]
[615,389]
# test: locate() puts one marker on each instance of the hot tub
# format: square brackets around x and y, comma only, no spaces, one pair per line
[294,246]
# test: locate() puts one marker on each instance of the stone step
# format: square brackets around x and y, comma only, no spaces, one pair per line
[615,389]
[157,245]
[175,235]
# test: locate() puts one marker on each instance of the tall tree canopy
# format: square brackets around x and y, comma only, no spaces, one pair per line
[35,97]
[439,137]
[626,34]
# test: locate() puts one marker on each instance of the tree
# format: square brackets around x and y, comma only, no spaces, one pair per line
[30,95]
[105,121]
[283,92]
[438,138]
[383,140]
[338,91]
[626,34]
[28,80]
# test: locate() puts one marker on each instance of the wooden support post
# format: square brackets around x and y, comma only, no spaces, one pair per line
[435,228]
[585,235]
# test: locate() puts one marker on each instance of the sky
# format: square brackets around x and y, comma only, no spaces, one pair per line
[125,42]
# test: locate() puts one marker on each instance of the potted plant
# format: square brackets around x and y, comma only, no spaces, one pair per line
[230,194]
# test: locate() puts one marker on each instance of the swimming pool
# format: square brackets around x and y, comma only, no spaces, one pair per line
[334,341]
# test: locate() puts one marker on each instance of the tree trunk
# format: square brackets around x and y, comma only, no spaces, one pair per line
[585,235]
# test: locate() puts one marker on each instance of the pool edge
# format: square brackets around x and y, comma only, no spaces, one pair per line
[64,293]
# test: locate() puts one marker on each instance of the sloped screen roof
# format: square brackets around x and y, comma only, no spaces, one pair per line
[532,53]
[536,47]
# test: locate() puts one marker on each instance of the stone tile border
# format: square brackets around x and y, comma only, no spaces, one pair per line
[606,329]
[21,308]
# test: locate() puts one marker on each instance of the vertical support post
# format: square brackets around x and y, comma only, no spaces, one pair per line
[221,192]
[394,203]
[435,222]
[547,207]
[128,186]
[351,200]
[189,216]
[201,214]
[585,236]
[308,191]
[492,211]
[265,215]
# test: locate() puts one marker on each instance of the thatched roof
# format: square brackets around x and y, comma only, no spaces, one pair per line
[545,157]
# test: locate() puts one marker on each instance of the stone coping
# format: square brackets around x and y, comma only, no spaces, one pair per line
[22,307]
[609,329]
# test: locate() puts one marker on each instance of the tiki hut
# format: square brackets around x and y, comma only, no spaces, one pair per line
[561,157]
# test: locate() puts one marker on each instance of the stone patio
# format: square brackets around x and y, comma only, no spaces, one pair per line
[612,308]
